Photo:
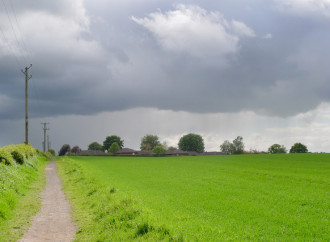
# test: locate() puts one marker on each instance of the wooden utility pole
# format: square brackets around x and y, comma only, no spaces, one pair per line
[48,143]
[45,130]
[27,78]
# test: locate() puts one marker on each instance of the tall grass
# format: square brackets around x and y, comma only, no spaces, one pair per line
[248,197]
[21,180]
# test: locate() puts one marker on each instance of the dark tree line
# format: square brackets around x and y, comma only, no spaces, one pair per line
[189,142]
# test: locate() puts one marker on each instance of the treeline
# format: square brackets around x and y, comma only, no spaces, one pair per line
[190,142]
[237,147]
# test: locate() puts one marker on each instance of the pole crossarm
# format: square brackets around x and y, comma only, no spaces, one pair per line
[26,72]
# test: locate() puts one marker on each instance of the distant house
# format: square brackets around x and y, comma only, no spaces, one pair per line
[212,153]
[181,153]
[126,151]
[144,152]
[91,152]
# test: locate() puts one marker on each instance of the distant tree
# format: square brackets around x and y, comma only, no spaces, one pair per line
[237,146]
[165,146]
[65,148]
[171,148]
[148,142]
[254,151]
[192,142]
[159,149]
[298,148]
[114,148]
[226,147]
[75,149]
[95,146]
[277,149]
[112,139]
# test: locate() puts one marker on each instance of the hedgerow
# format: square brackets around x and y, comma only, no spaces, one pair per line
[6,157]
[18,153]
[20,168]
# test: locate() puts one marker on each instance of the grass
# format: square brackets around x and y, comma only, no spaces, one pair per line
[249,197]
[20,186]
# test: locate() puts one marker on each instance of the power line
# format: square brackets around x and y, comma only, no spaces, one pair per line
[19,38]
[10,48]
[27,51]
[12,27]
[34,89]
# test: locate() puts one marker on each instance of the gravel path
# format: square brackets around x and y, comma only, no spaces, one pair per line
[54,221]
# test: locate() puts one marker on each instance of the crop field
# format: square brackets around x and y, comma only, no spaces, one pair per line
[247,197]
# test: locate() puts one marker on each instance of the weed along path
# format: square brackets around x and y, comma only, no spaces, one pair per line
[53,222]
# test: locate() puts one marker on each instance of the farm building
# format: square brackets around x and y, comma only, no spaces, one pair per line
[91,152]
[144,152]
[181,153]
[126,151]
[212,153]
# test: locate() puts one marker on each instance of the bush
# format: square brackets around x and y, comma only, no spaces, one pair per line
[276,149]
[159,149]
[16,152]
[109,140]
[52,152]
[226,147]
[21,152]
[76,149]
[27,150]
[114,148]
[298,148]
[18,157]
[148,142]
[95,146]
[48,155]
[65,149]
[237,146]
[6,158]
[12,154]
[192,142]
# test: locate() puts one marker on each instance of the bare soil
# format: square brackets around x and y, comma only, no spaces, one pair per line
[54,221]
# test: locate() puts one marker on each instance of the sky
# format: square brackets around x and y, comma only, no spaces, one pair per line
[257,69]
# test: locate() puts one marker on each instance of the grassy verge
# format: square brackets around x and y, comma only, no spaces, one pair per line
[20,186]
[103,213]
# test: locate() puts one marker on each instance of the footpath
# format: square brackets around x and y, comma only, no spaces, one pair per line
[53,222]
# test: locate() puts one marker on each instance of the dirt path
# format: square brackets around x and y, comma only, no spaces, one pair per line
[53,222]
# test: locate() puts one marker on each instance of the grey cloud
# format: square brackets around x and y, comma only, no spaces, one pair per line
[117,64]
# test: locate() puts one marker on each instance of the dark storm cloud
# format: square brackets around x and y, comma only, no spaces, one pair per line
[96,56]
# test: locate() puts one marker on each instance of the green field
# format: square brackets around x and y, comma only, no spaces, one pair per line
[248,197]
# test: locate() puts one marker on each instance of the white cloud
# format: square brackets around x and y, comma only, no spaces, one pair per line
[305,7]
[241,29]
[47,35]
[193,30]
[56,27]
